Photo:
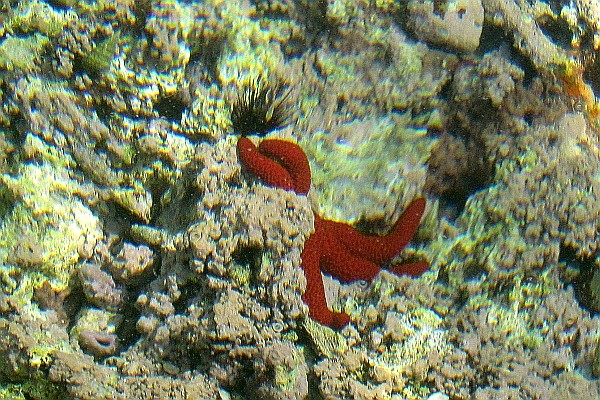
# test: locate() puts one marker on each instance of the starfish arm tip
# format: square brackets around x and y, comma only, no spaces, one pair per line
[413,269]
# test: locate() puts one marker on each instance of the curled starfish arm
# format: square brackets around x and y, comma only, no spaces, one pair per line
[267,170]
[292,158]
[381,249]
[314,296]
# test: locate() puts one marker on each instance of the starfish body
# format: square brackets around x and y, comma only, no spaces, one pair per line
[334,248]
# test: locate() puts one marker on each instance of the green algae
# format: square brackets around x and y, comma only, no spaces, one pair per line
[251,50]
[46,225]
[326,341]
[22,53]
[288,373]
[137,200]
[37,388]
[594,287]
[151,236]
[99,59]
[39,22]
[38,17]
[240,274]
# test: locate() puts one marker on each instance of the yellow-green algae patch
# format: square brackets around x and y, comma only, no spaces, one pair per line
[45,226]
[38,16]
[20,53]
[327,342]
[252,49]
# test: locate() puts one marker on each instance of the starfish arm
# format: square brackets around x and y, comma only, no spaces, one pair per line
[314,296]
[292,158]
[381,249]
[413,269]
[269,171]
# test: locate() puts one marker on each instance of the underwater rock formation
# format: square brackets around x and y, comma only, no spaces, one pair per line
[138,260]
[454,24]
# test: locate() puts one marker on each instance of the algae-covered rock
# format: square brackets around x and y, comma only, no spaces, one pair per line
[368,168]
[38,16]
[22,53]
[535,206]
[326,341]
[139,259]
[98,60]
[135,200]
[46,224]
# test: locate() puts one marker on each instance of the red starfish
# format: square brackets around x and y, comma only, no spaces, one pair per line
[334,248]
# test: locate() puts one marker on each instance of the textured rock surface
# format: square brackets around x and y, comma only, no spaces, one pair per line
[455,24]
[139,261]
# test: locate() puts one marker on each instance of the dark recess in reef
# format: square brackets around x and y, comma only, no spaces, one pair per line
[591,74]
[249,257]
[246,383]
[170,107]
[127,331]
[457,168]
[142,9]
[313,14]
[558,30]
[493,38]
[189,291]
[587,294]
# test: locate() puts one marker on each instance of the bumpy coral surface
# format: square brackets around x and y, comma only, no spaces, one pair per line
[139,260]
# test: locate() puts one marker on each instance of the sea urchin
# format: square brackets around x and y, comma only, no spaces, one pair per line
[261,108]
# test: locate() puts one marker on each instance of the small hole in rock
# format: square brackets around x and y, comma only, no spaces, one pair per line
[170,107]
[249,256]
